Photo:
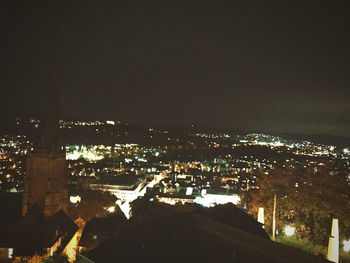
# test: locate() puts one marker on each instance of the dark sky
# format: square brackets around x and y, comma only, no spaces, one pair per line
[266,65]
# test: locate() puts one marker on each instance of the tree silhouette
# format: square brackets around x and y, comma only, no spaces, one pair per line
[307,198]
[93,203]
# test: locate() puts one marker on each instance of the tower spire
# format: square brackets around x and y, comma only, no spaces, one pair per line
[45,183]
[49,141]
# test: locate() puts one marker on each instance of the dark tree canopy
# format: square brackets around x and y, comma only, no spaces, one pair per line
[307,198]
[93,203]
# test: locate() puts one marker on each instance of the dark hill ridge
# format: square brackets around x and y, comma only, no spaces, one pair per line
[335,140]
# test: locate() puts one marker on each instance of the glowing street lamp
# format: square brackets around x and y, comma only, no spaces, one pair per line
[289,230]
[346,244]
[74,199]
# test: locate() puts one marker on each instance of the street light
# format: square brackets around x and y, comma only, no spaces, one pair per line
[289,230]
[346,244]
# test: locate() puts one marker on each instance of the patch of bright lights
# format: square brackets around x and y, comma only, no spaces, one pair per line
[210,200]
[88,155]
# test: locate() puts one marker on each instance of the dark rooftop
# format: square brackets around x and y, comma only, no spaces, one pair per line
[102,228]
[33,233]
[163,233]
[123,180]
[10,207]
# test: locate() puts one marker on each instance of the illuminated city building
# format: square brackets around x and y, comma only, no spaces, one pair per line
[125,187]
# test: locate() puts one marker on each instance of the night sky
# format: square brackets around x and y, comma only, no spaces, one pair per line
[275,66]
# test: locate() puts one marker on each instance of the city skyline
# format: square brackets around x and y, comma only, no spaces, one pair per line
[281,67]
[174,131]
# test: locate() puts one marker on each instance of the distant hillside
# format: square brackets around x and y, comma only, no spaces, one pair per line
[340,141]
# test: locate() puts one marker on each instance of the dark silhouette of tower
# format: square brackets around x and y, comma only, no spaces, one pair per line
[45,183]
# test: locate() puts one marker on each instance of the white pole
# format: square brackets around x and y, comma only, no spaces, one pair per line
[261,215]
[274,219]
[333,243]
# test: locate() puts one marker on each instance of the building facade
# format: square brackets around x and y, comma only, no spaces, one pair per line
[45,183]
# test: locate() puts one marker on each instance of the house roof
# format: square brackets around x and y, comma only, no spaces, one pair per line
[222,234]
[120,180]
[104,227]
[35,233]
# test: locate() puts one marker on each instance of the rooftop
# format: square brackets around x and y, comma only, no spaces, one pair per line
[162,233]
[121,180]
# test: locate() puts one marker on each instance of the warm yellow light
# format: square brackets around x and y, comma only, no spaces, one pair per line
[289,230]
[74,199]
[111,209]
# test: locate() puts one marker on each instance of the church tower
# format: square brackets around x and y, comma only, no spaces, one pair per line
[45,183]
